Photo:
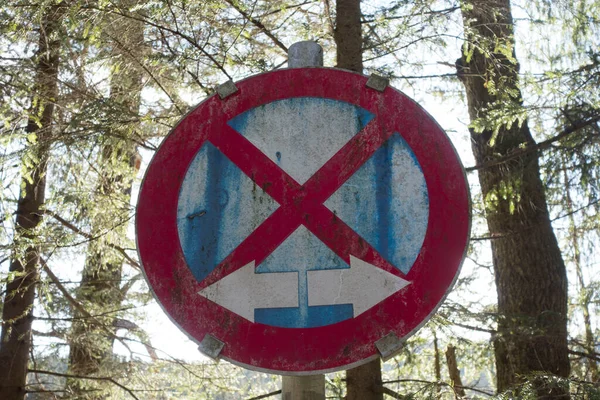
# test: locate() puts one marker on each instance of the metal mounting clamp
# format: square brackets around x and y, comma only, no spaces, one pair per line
[226,89]
[210,346]
[388,346]
[377,82]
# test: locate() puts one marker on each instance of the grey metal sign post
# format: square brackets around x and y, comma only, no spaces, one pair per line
[309,387]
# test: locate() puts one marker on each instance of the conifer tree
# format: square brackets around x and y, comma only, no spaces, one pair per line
[530,274]
[17,311]
[101,290]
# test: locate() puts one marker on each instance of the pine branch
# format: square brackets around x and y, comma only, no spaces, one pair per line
[121,323]
[93,378]
[90,237]
[493,236]
[473,328]
[371,19]
[575,211]
[118,323]
[127,286]
[150,74]
[290,7]
[184,36]
[64,290]
[484,392]
[78,318]
[259,25]
[48,334]
[264,396]
[392,394]
[77,304]
[595,356]
[544,145]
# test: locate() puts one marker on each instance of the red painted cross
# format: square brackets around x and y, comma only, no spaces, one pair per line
[334,346]
[299,204]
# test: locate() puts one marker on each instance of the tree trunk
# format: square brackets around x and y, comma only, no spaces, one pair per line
[437,364]
[363,382]
[529,270]
[585,294]
[348,35]
[454,372]
[91,342]
[17,313]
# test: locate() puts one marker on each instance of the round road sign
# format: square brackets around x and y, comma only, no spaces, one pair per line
[303,221]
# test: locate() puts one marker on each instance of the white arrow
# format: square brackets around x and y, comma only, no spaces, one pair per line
[245,290]
[363,285]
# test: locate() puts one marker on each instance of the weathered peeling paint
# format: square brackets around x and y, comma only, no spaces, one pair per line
[385,202]
[303,252]
[218,207]
[237,291]
[349,286]
[208,181]
[305,131]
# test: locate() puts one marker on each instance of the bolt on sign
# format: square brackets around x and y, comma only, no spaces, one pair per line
[303,221]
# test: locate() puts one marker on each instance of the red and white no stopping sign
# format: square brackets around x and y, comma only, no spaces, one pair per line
[306,222]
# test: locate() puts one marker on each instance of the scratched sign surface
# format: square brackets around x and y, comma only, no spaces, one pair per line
[307,222]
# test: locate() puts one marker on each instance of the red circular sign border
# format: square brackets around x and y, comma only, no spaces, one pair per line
[304,350]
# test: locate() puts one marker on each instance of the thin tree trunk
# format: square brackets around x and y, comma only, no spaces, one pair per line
[529,270]
[454,372]
[100,289]
[437,363]
[364,382]
[585,293]
[17,313]
[348,35]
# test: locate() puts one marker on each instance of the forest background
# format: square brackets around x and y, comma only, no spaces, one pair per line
[90,88]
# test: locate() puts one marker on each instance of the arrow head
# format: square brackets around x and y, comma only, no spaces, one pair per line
[232,292]
[363,285]
[378,284]
[244,290]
